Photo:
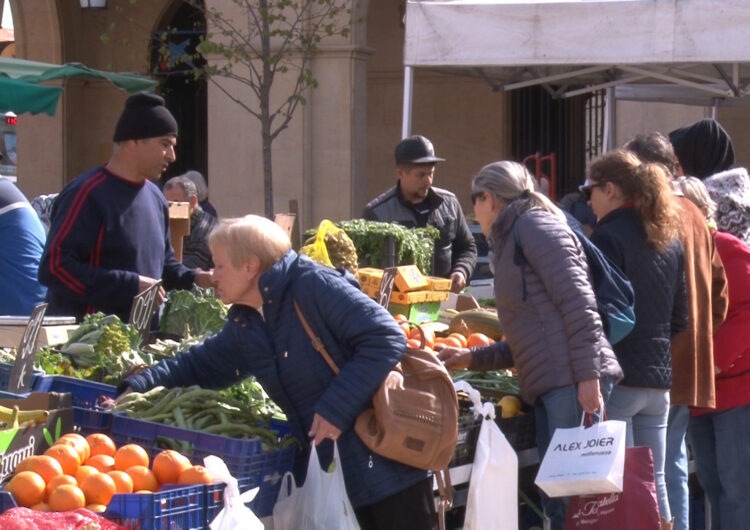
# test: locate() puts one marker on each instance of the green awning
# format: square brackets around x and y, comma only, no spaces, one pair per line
[20,91]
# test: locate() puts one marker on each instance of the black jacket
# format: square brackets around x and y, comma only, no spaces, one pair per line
[658,281]
[455,250]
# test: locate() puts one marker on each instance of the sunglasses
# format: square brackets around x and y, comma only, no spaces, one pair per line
[587,188]
[476,196]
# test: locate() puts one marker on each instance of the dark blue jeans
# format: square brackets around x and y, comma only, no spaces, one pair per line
[559,409]
[720,442]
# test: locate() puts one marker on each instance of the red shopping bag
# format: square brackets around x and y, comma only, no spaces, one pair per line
[635,507]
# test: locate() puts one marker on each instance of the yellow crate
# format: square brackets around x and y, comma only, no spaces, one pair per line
[408,278]
[438,284]
[370,276]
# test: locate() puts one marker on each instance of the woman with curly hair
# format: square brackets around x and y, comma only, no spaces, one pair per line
[637,229]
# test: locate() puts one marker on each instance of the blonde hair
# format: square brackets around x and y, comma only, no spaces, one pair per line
[507,181]
[251,235]
[694,189]
[648,186]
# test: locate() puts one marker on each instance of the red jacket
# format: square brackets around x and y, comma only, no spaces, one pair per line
[731,344]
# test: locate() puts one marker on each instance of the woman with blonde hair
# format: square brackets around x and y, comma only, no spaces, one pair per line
[257,272]
[637,229]
[554,334]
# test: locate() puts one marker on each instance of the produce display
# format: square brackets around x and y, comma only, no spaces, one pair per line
[77,472]
[244,411]
[192,313]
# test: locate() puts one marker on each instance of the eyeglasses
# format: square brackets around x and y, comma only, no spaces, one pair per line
[586,189]
[476,196]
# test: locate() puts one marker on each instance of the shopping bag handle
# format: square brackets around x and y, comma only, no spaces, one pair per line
[587,419]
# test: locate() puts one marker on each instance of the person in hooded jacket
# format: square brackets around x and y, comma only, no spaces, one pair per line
[256,271]
[638,229]
[547,306]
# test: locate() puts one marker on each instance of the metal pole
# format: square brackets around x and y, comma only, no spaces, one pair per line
[408,93]
[611,120]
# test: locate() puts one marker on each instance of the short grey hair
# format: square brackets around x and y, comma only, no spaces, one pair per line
[200,183]
[185,184]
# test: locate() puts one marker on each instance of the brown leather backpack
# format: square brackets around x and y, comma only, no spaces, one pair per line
[414,414]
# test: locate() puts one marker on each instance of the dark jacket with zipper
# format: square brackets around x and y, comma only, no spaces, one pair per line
[661,310]
[362,338]
[455,250]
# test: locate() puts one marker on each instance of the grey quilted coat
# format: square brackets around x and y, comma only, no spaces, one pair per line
[554,332]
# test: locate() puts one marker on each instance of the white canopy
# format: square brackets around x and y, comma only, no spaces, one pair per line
[701,45]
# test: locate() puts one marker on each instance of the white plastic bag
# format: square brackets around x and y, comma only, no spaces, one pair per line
[321,503]
[235,515]
[493,488]
[584,460]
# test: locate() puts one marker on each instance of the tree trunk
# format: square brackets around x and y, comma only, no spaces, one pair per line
[265,118]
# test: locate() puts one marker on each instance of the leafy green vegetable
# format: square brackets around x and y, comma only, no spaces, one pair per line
[413,246]
[195,312]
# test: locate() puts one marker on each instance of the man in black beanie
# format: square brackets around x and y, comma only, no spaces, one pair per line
[109,236]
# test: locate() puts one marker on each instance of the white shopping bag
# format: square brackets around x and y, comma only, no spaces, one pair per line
[584,460]
[493,488]
[235,515]
[321,503]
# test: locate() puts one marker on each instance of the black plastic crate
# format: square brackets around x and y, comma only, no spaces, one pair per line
[468,432]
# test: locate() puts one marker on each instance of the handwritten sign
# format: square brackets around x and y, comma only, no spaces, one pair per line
[386,286]
[144,305]
[20,376]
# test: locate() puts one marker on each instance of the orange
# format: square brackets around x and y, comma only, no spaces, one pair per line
[143,479]
[67,456]
[477,339]
[66,497]
[405,328]
[123,482]
[98,489]
[103,463]
[41,507]
[400,317]
[429,336]
[84,471]
[460,338]
[101,444]
[130,455]
[43,465]
[168,465]
[27,488]
[452,342]
[98,508]
[79,442]
[412,343]
[196,475]
[59,481]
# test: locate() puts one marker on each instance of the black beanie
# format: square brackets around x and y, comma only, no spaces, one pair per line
[144,116]
[703,148]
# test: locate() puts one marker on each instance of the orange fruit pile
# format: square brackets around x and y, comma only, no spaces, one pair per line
[78,472]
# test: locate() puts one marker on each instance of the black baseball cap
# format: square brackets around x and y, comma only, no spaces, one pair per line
[416,150]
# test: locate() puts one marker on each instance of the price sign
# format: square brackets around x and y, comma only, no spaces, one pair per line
[20,376]
[386,286]
[144,305]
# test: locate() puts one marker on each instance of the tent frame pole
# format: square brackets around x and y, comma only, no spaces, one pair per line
[408,95]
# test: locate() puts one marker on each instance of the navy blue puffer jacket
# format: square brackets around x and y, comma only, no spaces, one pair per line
[361,337]
[658,280]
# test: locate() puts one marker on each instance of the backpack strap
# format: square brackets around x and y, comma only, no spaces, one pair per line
[316,342]
[443,480]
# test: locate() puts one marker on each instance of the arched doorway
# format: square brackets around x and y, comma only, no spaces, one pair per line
[173,58]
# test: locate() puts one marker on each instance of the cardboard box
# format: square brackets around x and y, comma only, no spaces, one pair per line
[416,297]
[418,313]
[408,278]
[10,335]
[438,284]
[179,225]
[17,444]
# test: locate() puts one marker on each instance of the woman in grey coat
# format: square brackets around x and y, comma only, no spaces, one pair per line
[554,335]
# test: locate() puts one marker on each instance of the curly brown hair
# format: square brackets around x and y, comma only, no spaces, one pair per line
[648,186]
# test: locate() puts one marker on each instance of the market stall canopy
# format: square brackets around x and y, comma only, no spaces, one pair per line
[20,90]
[573,47]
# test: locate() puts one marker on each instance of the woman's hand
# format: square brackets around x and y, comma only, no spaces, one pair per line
[589,396]
[455,358]
[322,430]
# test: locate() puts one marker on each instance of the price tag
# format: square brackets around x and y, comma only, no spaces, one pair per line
[386,286]
[20,376]
[144,305]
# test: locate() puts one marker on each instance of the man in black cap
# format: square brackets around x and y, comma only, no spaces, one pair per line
[109,235]
[415,202]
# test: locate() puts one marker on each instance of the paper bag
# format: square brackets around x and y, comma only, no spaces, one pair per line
[584,460]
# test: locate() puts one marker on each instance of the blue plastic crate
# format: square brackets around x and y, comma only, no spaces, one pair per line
[90,421]
[85,393]
[178,508]
[237,453]
[268,468]
[6,501]
[6,369]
